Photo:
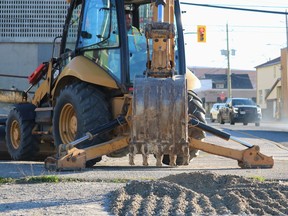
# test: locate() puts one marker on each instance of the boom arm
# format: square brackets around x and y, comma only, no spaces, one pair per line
[162,32]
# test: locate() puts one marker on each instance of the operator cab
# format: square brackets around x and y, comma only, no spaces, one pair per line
[97,30]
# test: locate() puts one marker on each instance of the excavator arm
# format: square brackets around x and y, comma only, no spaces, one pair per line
[247,158]
[69,157]
[162,32]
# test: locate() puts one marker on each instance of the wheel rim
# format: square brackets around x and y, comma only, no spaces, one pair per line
[15,134]
[67,124]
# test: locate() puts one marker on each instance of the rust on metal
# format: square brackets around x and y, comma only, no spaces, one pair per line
[159,117]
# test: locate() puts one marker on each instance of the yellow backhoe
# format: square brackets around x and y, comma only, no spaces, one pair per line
[115,90]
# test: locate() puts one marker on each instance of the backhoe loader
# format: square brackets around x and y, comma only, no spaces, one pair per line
[112,93]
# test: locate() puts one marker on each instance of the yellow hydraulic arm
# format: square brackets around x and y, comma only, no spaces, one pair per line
[162,32]
[69,157]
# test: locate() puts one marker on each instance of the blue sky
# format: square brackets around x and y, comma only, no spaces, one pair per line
[256,37]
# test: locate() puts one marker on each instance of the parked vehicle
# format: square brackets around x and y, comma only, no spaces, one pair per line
[242,110]
[215,110]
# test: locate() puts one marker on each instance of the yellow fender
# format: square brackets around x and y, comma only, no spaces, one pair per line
[84,69]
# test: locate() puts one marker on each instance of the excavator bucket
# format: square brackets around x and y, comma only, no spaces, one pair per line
[159,117]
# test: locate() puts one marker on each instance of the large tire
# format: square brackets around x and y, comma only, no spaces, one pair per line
[232,121]
[20,142]
[195,110]
[221,121]
[80,108]
[211,118]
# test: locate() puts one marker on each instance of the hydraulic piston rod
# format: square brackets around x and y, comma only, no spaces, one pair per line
[103,128]
[221,134]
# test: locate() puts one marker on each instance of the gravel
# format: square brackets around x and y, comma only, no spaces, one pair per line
[201,193]
[188,193]
[64,198]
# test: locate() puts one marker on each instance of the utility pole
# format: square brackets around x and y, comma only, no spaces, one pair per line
[286,18]
[284,77]
[229,86]
[284,84]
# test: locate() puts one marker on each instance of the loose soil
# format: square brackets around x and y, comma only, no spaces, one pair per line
[201,193]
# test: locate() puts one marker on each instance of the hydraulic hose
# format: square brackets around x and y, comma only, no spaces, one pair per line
[216,132]
[101,129]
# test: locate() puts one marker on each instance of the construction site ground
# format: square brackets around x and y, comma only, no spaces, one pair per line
[210,185]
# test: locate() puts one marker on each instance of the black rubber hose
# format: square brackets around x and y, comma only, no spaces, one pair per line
[209,129]
[109,126]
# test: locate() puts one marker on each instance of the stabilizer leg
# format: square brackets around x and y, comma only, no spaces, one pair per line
[247,158]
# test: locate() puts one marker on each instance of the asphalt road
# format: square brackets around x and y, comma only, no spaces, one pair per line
[118,168]
[272,137]
[270,130]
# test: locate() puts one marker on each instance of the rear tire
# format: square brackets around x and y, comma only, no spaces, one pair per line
[80,108]
[232,122]
[195,110]
[221,121]
[20,142]
[211,118]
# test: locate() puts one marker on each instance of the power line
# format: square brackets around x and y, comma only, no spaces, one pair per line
[237,29]
[235,8]
[243,26]
[253,6]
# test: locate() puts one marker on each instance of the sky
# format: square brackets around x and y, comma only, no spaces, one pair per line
[255,37]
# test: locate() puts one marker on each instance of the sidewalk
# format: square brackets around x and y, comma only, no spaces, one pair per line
[279,124]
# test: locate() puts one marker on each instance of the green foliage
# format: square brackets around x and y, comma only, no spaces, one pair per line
[258,178]
[6,180]
[40,179]
[57,179]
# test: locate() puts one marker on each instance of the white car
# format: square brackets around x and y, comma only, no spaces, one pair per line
[215,110]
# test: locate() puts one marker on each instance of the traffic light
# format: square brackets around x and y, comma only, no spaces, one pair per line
[201,33]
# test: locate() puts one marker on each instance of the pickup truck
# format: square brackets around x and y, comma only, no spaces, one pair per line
[243,110]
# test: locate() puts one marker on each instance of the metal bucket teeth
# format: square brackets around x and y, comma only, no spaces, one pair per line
[159,118]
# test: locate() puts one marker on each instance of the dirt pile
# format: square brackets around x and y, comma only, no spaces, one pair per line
[201,193]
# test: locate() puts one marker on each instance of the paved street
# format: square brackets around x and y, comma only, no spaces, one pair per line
[272,138]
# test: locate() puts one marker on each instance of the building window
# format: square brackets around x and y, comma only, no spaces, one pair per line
[219,86]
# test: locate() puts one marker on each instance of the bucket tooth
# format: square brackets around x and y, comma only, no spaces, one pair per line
[145,154]
[186,155]
[159,158]
[158,151]
[172,158]
[132,153]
